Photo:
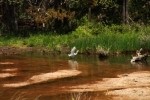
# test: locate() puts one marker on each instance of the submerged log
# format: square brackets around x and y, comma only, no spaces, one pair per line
[139,56]
[102,54]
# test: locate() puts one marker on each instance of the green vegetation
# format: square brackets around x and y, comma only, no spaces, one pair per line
[89,37]
[63,16]
[92,26]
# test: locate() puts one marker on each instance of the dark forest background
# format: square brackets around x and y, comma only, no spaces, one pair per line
[64,16]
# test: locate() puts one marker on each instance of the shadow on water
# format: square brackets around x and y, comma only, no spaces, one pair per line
[92,68]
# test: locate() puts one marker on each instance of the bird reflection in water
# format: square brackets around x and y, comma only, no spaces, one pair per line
[73,64]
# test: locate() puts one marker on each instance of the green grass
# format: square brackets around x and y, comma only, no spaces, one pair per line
[112,42]
[11,41]
[88,37]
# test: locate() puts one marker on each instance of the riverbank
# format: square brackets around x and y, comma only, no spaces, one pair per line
[8,50]
[89,38]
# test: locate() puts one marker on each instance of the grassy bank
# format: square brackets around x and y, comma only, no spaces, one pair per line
[89,37]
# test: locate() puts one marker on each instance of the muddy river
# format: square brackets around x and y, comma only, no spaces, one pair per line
[51,77]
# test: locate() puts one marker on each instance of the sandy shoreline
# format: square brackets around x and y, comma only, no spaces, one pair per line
[132,86]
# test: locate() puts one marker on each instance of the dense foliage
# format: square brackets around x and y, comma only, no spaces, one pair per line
[90,38]
[140,11]
[63,16]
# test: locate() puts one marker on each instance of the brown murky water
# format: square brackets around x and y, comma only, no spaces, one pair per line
[14,69]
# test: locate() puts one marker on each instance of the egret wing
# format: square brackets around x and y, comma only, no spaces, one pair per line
[73,50]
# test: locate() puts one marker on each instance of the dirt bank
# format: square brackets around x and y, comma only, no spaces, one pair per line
[6,50]
[132,86]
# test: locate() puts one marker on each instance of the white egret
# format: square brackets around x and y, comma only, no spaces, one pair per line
[73,52]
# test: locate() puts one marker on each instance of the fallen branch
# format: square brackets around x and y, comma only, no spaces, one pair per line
[139,56]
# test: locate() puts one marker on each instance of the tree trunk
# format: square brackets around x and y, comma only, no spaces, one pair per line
[125,11]
[15,18]
[89,14]
[9,17]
